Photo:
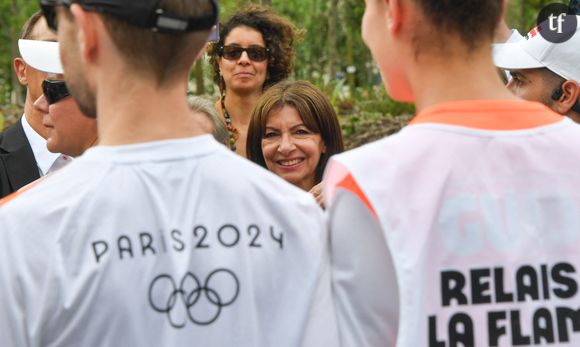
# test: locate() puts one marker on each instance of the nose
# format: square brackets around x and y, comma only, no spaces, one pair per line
[41,104]
[244,58]
[512,87]
[286,145]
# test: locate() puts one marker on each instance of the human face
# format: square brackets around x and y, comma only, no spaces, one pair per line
[70,131]
[290,149]
[72,64]
[529,84]
[244,75]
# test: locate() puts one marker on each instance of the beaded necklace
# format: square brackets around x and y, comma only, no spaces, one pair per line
[232,131]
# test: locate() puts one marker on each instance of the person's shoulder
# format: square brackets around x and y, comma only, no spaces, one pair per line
[55,192]
[372,151]
[11,131]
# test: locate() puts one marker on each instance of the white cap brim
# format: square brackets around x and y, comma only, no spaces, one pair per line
[511,56]
[41,55]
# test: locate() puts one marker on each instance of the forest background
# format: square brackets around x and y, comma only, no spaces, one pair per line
[331,55]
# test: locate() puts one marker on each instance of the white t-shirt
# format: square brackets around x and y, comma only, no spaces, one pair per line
[461,230]
[170,243]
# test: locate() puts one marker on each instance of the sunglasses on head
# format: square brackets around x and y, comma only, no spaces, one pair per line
[255,53]
[54,90]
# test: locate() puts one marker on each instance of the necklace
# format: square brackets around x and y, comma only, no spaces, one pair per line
[232,131]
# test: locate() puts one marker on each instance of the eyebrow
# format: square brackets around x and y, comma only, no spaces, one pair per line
[292,127]
[519,74]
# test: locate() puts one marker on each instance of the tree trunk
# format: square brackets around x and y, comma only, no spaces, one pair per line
[523,28]
[351,75]
[17,90]
[199,83]
[332,19]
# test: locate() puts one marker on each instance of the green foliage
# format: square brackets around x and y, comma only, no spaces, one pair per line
[331,44]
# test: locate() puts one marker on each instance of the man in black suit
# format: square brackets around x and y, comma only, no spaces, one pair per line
[23,154]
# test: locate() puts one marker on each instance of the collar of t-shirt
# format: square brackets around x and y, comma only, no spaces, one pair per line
[164,150]
[45,160]
[491,115]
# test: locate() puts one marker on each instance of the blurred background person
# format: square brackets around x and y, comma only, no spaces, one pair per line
[215,124]
[543,71]
[69,131]
[23,153]
[254,51]
[293,132]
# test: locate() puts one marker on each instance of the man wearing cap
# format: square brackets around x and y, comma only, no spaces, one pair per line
[544,71]
[70,132]
[23,153]
[158,236]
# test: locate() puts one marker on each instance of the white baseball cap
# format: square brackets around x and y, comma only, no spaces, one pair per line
[536,52]
[41,55]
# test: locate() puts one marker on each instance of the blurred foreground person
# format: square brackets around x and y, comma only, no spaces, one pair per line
[544,71]
[293,132]
[464,228]
[158,236]
[23,153]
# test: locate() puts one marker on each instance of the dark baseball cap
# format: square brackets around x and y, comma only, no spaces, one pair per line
[143,13]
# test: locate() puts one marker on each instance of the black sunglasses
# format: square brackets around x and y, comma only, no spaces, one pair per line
[255,53]
[54,90]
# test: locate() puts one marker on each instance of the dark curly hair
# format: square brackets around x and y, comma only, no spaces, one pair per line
[278,33]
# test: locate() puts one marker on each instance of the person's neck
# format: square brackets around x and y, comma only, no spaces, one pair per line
[240,106]
[135,111]
[436,80]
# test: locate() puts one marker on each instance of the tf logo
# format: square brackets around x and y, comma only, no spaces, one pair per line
[557,22]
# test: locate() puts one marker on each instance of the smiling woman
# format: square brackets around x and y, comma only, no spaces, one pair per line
[254,51]
[293,132]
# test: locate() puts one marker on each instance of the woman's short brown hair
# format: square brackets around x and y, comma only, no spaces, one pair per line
[278,33]
[315,110]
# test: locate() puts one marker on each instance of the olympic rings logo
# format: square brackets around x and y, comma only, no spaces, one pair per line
[220,289]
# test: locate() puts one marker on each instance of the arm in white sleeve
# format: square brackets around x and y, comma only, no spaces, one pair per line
[12,325]
[363,277]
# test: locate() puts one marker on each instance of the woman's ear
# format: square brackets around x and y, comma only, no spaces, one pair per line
[395,15]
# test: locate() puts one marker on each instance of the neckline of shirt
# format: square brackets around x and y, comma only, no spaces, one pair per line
[489,115]
[155,150]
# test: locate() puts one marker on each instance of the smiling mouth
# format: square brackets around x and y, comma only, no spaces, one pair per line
[290,162]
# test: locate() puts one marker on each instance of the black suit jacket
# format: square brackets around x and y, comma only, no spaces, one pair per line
[17,163]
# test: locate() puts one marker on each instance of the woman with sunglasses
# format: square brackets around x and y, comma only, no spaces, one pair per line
[254,51]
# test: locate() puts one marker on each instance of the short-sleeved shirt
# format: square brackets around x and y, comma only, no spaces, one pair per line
[169,243]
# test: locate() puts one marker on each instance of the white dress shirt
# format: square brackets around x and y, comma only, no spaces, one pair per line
[45,160]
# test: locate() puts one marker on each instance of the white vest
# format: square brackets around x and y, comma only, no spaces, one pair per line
[481,213]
